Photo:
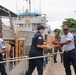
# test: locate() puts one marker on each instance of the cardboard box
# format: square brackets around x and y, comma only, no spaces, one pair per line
[50,39]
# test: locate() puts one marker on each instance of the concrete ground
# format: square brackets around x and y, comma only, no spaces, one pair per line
[55,69]
[59,68]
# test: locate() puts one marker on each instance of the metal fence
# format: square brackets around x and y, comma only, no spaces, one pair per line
[26,58]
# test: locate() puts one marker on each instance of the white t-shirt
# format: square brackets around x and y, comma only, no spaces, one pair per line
[70,45]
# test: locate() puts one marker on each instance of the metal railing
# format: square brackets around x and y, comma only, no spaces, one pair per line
[25,58]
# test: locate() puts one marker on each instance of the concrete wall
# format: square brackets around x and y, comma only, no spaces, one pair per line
[19,69]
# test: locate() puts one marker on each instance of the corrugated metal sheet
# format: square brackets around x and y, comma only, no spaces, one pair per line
[5,12]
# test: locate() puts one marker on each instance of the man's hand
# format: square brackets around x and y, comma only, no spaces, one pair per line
[49,47]
[55,42]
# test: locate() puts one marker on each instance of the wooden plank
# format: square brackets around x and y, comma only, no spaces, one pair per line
[16,37]
[8,52]
[11,39]
[8,39]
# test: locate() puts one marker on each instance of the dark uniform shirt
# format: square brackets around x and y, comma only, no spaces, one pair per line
[36,40]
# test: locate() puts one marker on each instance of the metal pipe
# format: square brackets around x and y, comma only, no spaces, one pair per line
[46,55]
[11,21]
[23,59]
[27,58]
[8,29]
[8,14]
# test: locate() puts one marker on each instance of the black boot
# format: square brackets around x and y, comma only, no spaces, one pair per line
[55,59]
[61,57]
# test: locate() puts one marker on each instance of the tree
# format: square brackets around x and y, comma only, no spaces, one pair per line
[70,22]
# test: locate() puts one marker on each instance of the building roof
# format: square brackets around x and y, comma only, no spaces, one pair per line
[5,12]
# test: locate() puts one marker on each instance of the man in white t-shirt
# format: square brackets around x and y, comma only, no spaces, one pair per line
[69,55]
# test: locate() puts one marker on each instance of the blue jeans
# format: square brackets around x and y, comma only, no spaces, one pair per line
[69,57]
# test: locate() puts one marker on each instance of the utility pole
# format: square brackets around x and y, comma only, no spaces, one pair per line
[29,5]
[16,6]
[40,5]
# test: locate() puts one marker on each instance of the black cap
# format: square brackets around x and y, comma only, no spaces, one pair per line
[65,27]
[40,26]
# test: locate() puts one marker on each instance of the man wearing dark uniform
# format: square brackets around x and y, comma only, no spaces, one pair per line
[57,38]
[37,50]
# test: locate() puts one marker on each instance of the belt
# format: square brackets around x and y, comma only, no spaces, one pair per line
[69,51]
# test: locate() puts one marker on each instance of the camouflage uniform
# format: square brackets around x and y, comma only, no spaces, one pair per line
[57,38]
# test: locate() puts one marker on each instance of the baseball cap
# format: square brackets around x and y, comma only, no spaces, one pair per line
[65,27]
[40,26]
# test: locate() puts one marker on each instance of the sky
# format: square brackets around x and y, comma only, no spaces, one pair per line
[56,10]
